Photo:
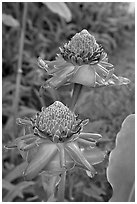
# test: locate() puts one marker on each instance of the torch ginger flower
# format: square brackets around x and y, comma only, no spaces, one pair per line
[83,61]
[54,142]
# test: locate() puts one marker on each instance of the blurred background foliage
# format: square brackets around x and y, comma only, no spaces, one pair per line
[113,25]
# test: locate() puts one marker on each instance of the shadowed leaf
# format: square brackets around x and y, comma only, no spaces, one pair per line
[60,8]
[17,191]
[16,172]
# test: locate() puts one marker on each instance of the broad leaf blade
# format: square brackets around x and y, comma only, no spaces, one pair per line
[43,156]
[121,169]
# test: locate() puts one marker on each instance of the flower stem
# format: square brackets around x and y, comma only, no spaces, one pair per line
[61,186]
[52,92]
[19,71]
[70,193]
[75,96]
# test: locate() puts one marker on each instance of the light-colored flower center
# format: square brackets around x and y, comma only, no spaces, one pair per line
[82,42]
[57,120]
[82,49]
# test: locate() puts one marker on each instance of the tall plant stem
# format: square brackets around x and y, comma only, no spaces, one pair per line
[75,96]
[19,71]
[61,186]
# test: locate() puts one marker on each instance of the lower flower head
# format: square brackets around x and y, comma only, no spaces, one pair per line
[54,142]
[57,122]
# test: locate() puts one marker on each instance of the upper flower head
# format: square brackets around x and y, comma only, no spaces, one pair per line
[54,142]
[82,60]
[82,49]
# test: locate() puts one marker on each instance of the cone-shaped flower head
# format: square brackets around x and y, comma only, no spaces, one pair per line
[82,60]
[82,49]
[57,122]
[54,142]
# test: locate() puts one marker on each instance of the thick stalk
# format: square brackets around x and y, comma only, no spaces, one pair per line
[71,183]
[19,71]
[61,186]
[75,96]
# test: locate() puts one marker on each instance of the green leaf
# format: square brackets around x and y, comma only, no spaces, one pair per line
[54,167]
[17,191]
[16,172]
[42,158]
[94,155]
[7,185]
[121,169]
[8,20]
[12,190]
[77,155]
[60,8]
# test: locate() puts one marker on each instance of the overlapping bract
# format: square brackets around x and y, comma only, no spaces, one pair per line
[82,49]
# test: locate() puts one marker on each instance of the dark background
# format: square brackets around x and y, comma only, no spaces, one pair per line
[113,25]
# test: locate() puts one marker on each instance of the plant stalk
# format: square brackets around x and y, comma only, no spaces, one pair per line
[61,186]
[75,96]
[71,183]
[19,71]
